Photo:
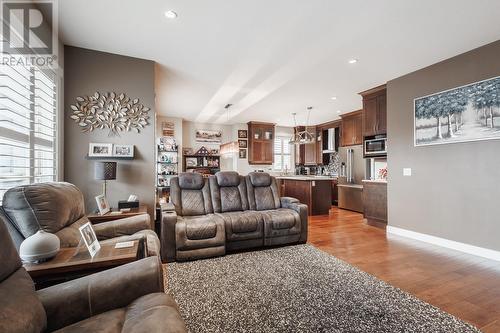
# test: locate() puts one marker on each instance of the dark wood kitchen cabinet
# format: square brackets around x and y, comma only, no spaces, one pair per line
[375,203]
[309,153]
[375,111]
[352,128]
[260,143]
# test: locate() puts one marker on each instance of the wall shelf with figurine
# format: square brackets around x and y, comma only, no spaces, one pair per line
[203,161]
[167,166]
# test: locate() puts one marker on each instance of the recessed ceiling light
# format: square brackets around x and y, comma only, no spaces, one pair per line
[338,111]
[353,61]
[333,98]
[170,14]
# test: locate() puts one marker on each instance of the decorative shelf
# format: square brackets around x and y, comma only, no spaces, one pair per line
[172,163]
[201,155]
[127,158]
[168,151]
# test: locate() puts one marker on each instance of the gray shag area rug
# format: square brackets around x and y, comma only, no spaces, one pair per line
[296,289]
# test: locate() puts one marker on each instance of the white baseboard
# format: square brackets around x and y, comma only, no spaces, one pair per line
[462,247]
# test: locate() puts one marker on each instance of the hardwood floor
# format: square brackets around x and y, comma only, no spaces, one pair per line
[463,285]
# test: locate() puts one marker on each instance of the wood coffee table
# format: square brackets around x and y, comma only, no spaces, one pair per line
[74,262]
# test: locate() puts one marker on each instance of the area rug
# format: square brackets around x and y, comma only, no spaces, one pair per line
[296,289]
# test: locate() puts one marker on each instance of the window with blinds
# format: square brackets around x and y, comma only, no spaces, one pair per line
[282,155]
[27,126]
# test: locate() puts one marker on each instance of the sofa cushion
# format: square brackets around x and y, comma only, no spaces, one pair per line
[31,207]
[20,311]
[196,232]
[281,222]
[231,195]
[264,198]
[192,202]
[243,225]
[191,181]
[227,178]
[201,228]
[151,313]
[259,179]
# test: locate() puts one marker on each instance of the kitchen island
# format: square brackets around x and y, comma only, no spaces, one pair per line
[314,191]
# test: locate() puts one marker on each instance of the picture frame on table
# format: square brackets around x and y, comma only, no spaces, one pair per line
[90,239]
[102,204]
[242,143]
[100,149]
[123,150]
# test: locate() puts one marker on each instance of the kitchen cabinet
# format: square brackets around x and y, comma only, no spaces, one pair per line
[260,143]
[375,111]
[352,128]
[375,202]
[314,192]
[309,153]
[335,192]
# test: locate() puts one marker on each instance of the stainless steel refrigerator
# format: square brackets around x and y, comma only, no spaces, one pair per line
[352,172]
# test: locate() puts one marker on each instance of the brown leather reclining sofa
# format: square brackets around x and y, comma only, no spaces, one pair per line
[226,213]
[128,298]
[58,207]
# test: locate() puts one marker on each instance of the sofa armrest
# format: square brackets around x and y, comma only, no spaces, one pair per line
[292,203]
[167,207]
[167,235]
[76,300]
[122,227]
[285,201]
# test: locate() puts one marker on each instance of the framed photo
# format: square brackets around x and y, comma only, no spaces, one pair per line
[90,239]
[242,134]
[242,143]
[123,150]
[461,114]
[208,136]
[101,149]
[242,153]
[187,151]
[191,161]
[102,204]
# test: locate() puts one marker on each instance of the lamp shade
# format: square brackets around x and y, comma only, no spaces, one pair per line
[40,246]
[105,170]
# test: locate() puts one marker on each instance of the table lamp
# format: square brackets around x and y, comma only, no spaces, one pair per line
[105,171]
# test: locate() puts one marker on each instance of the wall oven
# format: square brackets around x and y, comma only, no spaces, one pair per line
[375,146]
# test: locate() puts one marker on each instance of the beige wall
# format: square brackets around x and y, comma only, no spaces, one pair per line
[88,71]
[454,190]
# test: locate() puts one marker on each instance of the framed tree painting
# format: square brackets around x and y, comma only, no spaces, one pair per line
[462,114]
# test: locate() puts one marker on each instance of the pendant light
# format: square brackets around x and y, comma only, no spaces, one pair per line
[302,137]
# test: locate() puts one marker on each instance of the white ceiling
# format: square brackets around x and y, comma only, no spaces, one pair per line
[273,57]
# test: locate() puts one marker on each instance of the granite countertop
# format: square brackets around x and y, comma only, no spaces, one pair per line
[306,178]
[379,181]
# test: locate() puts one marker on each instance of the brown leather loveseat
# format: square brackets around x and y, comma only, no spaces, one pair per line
[228,212]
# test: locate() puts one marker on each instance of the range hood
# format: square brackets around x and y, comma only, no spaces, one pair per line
[329,147]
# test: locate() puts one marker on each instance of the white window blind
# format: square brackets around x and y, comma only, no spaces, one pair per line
[27,126]
[282,156]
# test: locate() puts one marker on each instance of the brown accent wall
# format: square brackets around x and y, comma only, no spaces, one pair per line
[88,71]
[454,189]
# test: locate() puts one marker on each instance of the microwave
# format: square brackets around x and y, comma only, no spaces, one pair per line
[375,146]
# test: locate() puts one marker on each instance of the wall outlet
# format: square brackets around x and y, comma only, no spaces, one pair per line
[407,172]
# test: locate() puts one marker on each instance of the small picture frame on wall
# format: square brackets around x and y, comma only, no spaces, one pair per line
[242,143]
[100,149]
[191,162]
[242,134]
[242,153]
[123,150]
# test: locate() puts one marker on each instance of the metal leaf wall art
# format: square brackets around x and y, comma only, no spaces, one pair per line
[109,111]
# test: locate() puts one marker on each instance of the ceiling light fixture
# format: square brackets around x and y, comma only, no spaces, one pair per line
[333,98]
[170,14]
[338,111]
[302,137]
[353,61]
